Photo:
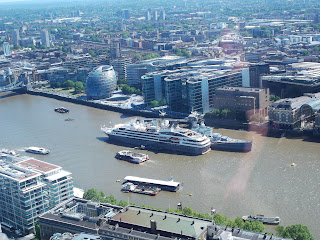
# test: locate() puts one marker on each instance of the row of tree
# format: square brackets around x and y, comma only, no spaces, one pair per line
[67,85]
[155,103]
[126,89]
[295,232]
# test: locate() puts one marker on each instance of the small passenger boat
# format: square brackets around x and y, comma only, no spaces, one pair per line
[132,156]
[61,110]
[262,218]
[37,150]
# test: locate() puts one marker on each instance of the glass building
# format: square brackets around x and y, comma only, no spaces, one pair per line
[101,82]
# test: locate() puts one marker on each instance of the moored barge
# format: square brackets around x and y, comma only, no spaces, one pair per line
[164,185]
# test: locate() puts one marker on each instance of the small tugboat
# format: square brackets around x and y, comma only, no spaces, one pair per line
[262,218]
[69,119]
[141,189]
[61,110]
[37,150]
[132,157]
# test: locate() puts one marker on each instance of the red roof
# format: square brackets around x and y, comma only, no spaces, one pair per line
[39,165]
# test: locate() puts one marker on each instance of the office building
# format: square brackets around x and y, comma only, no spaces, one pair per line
[155,15]
[198,95]
[6,49]
[173,94]
[101,82]
[115,51]
[162,15]
[120,67]
[189,87]
[301,78]
[28,188]
[102,220]
[255,72]
[125,13]
[294,113]
[148,15]
[45,40]
[137,70]
[239,99]
[15,36]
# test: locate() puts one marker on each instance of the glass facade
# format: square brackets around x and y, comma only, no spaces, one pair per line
[101,82]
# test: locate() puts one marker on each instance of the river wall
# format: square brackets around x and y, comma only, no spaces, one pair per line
[92,104]
[263,129]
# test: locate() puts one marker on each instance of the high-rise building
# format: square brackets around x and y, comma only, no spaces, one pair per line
[6,49]
[28,188]
[148,15]
[255,72]
[173,92]
[120,67]
[162,15]
[115,51]
[45,40]
[155,15]
[15,36]
[125,13]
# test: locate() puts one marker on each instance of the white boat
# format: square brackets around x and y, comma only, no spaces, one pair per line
[37,150]
[132,156]
[220,142]
[159,134]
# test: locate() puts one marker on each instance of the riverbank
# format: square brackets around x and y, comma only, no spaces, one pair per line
[263,129]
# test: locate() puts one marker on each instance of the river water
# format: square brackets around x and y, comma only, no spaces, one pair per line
[235,184]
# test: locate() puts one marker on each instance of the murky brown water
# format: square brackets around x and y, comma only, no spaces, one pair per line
[235,184]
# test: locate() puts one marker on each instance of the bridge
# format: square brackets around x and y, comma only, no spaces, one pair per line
[12,86]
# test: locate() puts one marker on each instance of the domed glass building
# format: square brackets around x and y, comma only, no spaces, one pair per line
[101,82]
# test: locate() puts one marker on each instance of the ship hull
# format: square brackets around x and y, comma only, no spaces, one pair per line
[234,147]
[160,146]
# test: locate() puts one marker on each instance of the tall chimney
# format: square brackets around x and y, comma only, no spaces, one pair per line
[153,225]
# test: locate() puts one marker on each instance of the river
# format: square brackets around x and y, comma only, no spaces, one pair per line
[235,184]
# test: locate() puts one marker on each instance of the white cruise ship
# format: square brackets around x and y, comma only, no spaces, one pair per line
[159,135]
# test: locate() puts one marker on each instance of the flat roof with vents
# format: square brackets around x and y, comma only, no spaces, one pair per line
[39,166]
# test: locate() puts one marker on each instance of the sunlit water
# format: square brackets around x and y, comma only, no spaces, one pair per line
[235,184]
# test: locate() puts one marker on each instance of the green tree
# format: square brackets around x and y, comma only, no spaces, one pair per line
[78,87]
[254,226]
[297,232]
[111,199]
[154,103]
[37,230]
[274,98]
[219,219]
[239,222]
[91,194]
[187,211]
[224,113]
[68,84]
[58,84]
[305,52]
[280,230]
[214,114]
[123,203]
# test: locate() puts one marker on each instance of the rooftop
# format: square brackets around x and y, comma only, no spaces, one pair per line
[242,89]
[166,222]
[39,166]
